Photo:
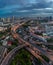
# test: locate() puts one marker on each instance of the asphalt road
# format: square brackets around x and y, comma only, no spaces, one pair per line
[9,55]
[17,36]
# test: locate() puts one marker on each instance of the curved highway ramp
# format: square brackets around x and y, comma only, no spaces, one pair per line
[9,56]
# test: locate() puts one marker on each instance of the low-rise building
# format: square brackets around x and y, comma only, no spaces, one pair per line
[3,28]
[48,27]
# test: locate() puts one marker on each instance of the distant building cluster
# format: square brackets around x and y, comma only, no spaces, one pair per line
[48,27]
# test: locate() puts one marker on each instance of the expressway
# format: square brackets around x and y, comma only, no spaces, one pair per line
[27,43]
[9,56]
[21,41]
[36,55]
[34,45]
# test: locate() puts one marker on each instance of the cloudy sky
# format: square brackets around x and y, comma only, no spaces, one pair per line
[26,7]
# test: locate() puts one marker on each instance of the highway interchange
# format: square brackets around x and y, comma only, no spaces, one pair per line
[29,45]
[9,56]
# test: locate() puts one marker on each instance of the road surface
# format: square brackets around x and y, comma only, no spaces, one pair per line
[10,55]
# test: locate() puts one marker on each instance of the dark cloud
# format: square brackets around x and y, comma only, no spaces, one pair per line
[25,7]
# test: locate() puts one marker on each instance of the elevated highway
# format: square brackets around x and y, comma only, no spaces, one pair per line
[31,44]
[21,40]
[9,56]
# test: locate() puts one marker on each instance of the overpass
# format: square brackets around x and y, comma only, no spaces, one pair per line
[36,48]
[9,56]
[21,40]
[36,55]
[33,44]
